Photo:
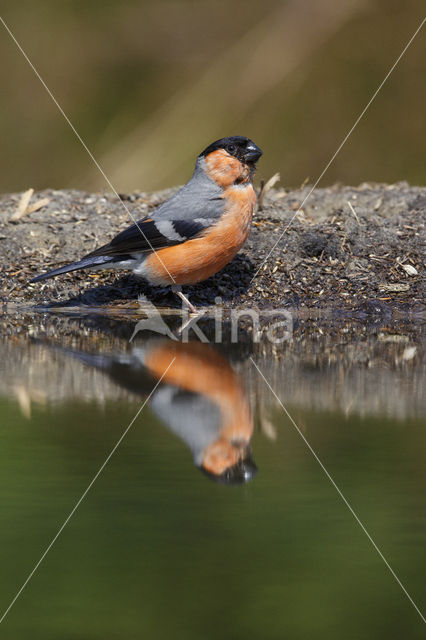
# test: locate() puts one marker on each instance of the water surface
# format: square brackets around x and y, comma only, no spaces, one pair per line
[172,542]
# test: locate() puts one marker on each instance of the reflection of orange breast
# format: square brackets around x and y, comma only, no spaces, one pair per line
[199,258]
[200,369]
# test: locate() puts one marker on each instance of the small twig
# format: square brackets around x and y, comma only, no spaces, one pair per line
[43,202]
[354,212]
[23,205]
[265,187]
[305,182]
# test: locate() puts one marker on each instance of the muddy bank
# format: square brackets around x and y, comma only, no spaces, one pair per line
[349,248]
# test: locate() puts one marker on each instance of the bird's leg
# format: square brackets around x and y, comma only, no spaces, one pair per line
[187,323]
[177,289]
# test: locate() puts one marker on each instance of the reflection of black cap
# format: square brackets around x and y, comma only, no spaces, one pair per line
[240,473]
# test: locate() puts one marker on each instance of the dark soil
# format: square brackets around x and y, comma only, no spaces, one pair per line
[368,259]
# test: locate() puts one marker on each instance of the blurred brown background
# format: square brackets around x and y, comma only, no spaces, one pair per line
[149,84]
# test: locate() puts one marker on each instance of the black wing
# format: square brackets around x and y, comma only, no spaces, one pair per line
[148,234]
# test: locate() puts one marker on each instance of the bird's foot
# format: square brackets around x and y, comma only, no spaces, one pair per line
[186,324]
[177,289]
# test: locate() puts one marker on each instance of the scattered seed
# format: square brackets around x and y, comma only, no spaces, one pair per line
[408,268]
[395,287]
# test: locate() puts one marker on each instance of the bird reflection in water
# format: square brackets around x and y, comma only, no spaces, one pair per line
[204,403]
[200,398]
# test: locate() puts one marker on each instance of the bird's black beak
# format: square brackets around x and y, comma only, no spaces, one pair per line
[245,470]
[252,153]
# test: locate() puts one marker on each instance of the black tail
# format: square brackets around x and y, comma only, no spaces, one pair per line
[85,263]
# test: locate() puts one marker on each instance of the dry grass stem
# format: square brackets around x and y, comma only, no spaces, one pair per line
[22,205]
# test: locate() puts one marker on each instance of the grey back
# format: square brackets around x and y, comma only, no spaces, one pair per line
[200,197]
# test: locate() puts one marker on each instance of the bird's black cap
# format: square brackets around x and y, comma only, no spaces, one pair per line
[238,146]
[240,473]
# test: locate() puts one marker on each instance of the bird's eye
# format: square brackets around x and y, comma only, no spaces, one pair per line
[231,148]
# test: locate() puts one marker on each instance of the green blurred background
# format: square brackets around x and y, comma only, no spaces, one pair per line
[149,84]
[158,551]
